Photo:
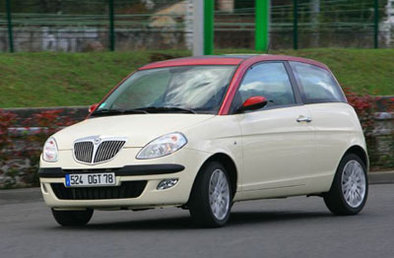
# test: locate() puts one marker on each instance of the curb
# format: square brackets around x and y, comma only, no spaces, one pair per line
[34,194]
[381,177]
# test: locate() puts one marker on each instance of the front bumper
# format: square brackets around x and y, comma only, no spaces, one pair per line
[151,171]
[134,170]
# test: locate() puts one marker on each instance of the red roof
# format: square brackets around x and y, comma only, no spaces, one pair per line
[201,60]
[228,60]
[260,58]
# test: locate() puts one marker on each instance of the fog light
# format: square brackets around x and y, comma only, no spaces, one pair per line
[167,183]
[44,188]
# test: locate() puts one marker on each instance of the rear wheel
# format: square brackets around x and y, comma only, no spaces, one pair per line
[349,189]
[72,218]
[210,200]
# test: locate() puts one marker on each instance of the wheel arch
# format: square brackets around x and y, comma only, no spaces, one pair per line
[228,164]
[359,151]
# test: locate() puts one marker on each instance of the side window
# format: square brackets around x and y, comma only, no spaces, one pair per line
[269,80]
[317,85]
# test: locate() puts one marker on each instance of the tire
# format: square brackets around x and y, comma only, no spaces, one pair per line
[349,189]
[211,197]
[72,218]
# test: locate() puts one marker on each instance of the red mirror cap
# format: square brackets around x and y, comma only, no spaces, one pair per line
[93,107]
[253,101]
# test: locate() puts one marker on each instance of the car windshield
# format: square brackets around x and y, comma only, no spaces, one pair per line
[183,89]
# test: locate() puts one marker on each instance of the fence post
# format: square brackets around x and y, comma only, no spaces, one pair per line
[376,23]
[295,24]
[198,28]
[111,25]
[209,8]
[9,25]
[262,25]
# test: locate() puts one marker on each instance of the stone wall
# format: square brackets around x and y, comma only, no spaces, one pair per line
[82,39]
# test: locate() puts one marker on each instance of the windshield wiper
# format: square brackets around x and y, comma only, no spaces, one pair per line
[143,110]
[167,109]
[106,112]
[134,111]
[113,112]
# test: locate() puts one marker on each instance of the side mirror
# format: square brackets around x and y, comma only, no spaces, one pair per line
[93,107]
[253,103]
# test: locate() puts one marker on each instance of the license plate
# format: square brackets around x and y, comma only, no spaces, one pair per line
[99,179]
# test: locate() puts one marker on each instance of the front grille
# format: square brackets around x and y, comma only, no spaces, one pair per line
[128,189]
[87,151]
[83,151]
[107,150]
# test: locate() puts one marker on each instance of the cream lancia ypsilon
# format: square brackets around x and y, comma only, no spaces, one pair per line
[202,133]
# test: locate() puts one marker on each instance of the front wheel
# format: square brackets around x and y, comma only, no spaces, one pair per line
[72,218]
[349,189]
[210,200]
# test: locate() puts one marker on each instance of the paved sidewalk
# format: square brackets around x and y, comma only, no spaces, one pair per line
[20,195]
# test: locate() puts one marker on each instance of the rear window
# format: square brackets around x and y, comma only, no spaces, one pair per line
[316,84]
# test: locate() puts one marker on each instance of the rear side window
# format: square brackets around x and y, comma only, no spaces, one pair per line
[316,84]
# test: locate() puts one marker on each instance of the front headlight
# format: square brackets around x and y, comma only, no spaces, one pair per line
[162,146]
[49,152]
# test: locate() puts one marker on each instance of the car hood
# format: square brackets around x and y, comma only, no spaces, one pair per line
[139,129]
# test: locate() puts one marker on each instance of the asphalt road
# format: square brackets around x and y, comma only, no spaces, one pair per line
[293,227]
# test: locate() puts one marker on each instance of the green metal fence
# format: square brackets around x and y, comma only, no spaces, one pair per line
[311,23]
[72,25]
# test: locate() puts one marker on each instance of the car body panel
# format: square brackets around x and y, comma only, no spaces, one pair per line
[336,129]
[271,142]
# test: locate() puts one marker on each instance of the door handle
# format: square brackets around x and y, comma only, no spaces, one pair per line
[302,118]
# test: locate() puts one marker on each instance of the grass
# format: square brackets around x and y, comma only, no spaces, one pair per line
[69,79]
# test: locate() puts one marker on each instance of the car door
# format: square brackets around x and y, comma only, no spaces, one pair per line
[332,118]
[277,139]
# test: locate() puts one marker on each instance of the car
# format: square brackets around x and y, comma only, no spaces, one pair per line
[201,133]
